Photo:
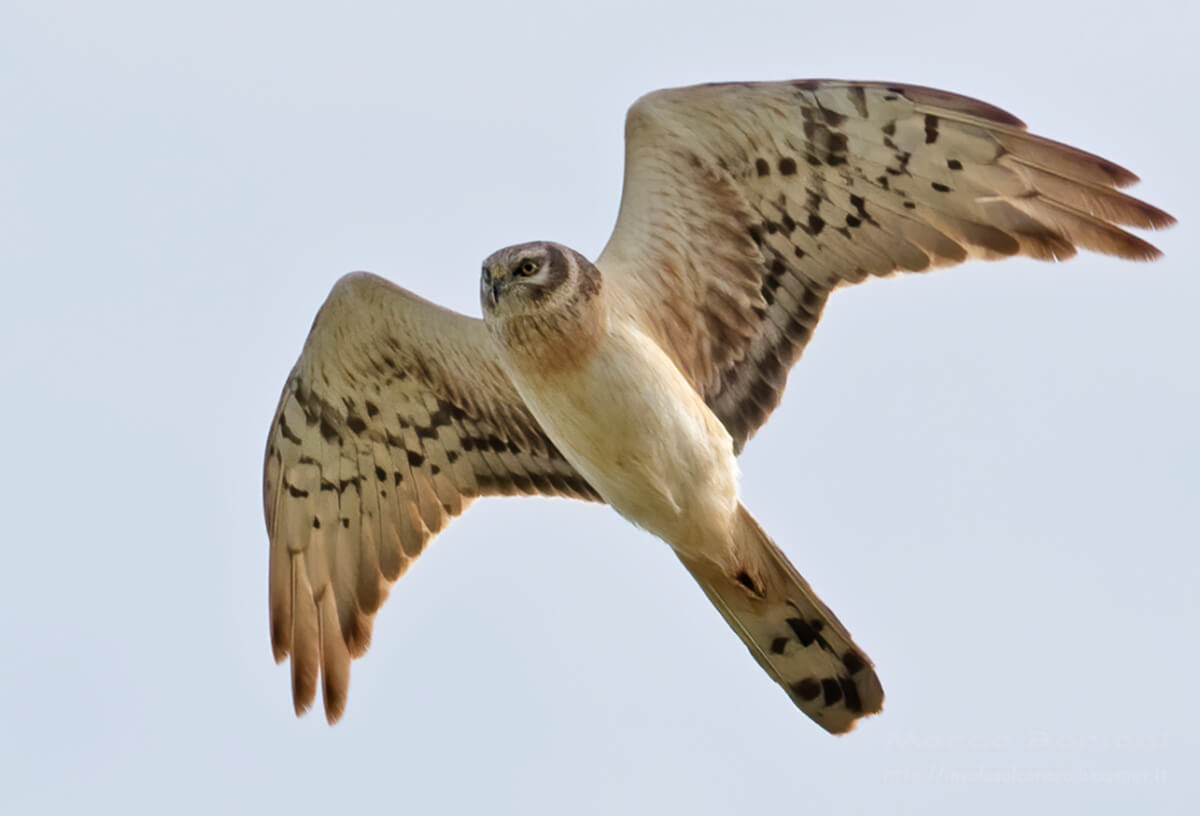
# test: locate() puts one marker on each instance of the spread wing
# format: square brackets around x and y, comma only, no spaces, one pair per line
[395,417]
[745,205]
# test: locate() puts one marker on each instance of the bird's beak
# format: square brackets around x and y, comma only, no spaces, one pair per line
[485,287]
[490,285]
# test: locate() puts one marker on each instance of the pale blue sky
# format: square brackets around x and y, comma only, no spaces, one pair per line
[991,473]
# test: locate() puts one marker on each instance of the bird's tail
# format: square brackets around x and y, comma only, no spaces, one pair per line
[790,632]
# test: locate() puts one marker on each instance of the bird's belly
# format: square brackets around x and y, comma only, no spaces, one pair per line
[633,426]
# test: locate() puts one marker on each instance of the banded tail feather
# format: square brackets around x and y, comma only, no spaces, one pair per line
[793,635]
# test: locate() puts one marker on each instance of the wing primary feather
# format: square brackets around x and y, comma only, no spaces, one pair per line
[1098,200]
[306,648]
[335,660]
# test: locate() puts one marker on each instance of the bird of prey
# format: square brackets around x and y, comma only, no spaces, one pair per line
[637,379]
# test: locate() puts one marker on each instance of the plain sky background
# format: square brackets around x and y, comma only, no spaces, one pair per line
[991,472]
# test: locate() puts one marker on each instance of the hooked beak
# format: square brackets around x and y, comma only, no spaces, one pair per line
[490,286]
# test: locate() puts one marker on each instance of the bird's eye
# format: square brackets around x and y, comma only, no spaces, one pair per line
[527,268]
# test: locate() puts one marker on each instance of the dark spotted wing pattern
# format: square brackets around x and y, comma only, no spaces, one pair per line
[394,419]
[745,205]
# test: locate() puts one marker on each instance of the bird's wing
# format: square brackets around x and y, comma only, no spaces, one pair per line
[395,417]
[745,205]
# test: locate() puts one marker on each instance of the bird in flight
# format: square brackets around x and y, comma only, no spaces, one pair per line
[637,379]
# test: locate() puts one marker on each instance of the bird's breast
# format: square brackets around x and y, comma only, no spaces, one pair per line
[633,426]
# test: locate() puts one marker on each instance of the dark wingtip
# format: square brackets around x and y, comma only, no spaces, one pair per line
[1160,219]
[335,707]
[300,705]
[280,640]
[1119,175]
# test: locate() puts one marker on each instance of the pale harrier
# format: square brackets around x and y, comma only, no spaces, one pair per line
[636,381]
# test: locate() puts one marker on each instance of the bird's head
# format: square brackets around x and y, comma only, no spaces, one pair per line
[535,279]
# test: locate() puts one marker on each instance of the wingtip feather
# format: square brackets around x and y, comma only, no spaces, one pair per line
[306,651]
[335,661]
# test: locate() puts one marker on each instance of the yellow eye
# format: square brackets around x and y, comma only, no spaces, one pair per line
[527,268]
